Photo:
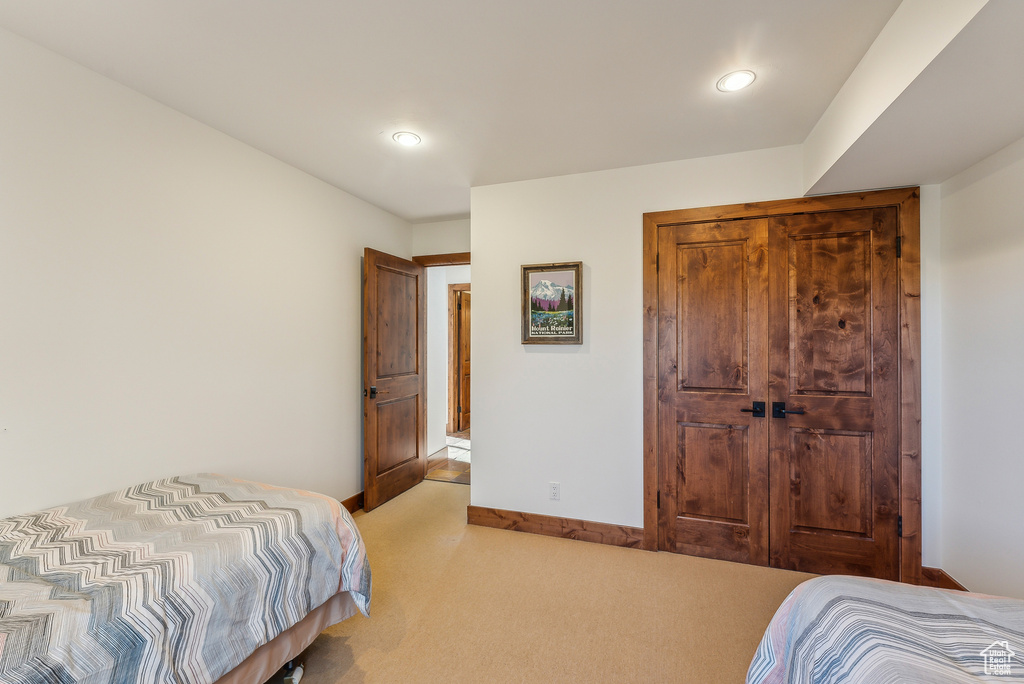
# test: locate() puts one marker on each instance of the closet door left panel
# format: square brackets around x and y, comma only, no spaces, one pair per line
[712,372]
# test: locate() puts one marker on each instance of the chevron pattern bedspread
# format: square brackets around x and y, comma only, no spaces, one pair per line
[175,580]
[849,629]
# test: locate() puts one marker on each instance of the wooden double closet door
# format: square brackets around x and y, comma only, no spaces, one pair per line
[778,404]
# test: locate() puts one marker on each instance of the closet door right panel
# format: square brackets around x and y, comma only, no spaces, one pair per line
[833,355]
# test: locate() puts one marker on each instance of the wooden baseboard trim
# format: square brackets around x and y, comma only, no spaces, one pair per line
[937,577]
[353,503]
[569,528]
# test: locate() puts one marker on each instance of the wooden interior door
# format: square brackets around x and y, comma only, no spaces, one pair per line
[394,363]
[834,358]
[455,291]
[464,360]
[713,366]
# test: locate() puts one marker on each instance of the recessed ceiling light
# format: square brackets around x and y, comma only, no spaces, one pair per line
[406,138]
[737,80]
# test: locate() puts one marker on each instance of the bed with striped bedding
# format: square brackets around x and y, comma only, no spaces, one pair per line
[865,631]
[175,580]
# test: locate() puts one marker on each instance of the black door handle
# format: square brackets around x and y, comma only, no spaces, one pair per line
[757,411]
[374,392]
[779,410]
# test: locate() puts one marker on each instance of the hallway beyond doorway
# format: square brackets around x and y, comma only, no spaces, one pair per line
[455,466]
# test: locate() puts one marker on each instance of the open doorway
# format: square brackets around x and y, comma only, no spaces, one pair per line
[449,367]
[455,466]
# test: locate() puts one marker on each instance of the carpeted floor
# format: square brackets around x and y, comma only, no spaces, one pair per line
[459,603]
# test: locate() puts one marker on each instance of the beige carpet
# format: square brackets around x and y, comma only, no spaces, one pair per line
[459,603]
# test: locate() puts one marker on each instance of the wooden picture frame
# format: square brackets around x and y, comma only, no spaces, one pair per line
[553,303]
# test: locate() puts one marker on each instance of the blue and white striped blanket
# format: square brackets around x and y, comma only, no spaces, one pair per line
[864,631]
[175,580]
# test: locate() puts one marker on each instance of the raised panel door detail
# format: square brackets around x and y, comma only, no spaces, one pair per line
[830,313]
[804,307]
[397,334]
[397,433]
[394,424]
[830,481]
[713,365]
[833,357]
[712,470]
[712,303]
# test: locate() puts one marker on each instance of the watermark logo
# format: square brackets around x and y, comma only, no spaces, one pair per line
[997,658]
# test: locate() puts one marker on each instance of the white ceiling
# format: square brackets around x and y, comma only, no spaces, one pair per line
[499,90]
[965,105]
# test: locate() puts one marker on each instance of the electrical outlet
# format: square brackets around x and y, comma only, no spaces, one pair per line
[554,491]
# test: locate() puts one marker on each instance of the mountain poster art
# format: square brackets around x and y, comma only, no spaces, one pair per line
[552,303]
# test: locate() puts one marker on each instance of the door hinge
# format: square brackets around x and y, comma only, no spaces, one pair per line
[899,526]
[460,409]
[899,246]
[657,262]
[659,498]
[460,306]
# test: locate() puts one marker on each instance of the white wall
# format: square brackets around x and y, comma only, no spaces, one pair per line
[573,414]
[438,279]
[983,372]
[171,300]
[440,237]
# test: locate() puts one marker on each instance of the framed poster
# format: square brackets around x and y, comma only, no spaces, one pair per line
[553,303]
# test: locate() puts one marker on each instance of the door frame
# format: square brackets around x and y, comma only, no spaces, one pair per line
[450,259]
[907,201]
[454,370]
